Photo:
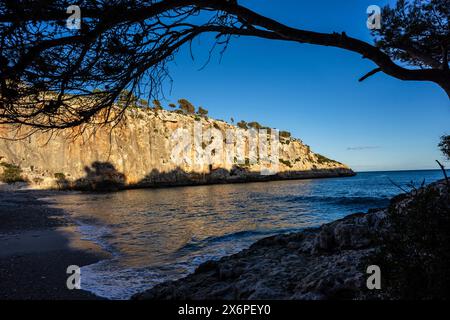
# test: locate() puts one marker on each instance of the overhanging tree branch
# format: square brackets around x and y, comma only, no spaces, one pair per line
[48,74]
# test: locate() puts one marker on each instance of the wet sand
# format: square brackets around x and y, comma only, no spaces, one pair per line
[37,244]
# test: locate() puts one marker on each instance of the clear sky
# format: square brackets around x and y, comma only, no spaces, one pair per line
[313,91]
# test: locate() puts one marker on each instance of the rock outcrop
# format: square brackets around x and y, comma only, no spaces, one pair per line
[329,262]
[138,152]
[316,264]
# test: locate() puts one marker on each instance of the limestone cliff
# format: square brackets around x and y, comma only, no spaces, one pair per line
[139,152]
[331,262]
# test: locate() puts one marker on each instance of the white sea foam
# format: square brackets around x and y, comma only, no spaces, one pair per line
[112,280]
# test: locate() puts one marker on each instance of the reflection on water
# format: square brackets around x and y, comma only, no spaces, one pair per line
[160,234]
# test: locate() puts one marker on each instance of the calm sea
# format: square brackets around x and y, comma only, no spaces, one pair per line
[163,234]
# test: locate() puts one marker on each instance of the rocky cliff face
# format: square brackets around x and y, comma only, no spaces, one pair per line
[155,148]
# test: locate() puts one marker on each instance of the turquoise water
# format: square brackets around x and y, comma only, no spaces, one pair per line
[163,234]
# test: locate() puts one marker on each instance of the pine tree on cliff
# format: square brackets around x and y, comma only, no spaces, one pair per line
[202,112]
[186,106]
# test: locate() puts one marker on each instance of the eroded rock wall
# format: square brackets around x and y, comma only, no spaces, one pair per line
[139,153]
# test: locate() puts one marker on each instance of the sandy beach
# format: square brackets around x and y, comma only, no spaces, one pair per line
[37,244]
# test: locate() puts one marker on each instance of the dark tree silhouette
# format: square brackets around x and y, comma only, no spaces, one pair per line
[416,34]
[48,72]
[444,146]
[157,104]
[202,112]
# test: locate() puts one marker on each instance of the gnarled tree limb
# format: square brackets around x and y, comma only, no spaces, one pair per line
[127,44]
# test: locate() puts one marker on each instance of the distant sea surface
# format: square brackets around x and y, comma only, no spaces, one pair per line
[156,235]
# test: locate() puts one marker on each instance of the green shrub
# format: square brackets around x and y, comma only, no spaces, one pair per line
[286,162]
[186,106]
[156,104]
[285,134]
[415,256]
[322,159]
[143,103]
[60,176]
[127,98]
[254,125]
[202,112]
[242,124]
[11,173]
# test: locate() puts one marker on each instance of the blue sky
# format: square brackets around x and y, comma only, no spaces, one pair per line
[313,91]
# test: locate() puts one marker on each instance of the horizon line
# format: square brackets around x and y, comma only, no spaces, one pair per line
[399,170]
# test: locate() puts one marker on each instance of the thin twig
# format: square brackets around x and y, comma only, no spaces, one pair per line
[397,185]
[445,173]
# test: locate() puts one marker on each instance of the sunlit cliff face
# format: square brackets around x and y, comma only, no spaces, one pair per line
[158,147]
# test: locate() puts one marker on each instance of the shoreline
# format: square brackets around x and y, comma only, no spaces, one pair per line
[329,262]
[38,243]
[319,263]
[102,185]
